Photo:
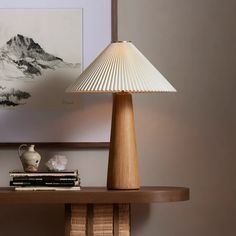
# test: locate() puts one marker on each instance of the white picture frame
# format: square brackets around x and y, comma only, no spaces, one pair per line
[90,122]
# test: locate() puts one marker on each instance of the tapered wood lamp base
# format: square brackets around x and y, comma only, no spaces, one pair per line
[123,164]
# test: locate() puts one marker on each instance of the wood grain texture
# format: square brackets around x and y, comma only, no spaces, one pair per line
[78,226]
[95,195]
[121,219]
[103,219]
[123,164]
[97,220]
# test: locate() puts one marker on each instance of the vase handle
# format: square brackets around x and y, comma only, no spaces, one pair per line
[20,149]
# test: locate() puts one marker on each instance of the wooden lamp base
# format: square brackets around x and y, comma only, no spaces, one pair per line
[123,164]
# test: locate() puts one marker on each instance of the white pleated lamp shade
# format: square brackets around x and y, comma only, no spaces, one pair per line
[121,67]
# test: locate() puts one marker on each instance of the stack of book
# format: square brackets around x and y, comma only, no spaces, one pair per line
[66,180]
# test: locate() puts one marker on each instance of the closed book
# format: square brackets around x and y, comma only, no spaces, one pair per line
[45,178]
[44,183]
[68,173]
[46,188]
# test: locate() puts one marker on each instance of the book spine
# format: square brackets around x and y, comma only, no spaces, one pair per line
[44,183]
[46,188]
[45,178]
[42,174]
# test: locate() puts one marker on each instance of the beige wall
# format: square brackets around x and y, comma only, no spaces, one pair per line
[184,139]
[187,138]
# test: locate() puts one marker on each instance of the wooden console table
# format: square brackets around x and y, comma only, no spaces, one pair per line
[96,211]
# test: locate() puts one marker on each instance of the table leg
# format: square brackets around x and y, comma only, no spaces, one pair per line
[97,219]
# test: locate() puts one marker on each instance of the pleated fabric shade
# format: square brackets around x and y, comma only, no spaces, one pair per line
[121,67]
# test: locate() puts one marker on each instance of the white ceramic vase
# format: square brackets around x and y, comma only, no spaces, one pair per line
[30,159]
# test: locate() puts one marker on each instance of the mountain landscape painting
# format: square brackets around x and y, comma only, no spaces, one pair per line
[40,56]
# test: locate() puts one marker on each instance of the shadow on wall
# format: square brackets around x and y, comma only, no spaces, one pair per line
[140,214]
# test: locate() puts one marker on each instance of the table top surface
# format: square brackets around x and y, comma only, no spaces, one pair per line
[95,195]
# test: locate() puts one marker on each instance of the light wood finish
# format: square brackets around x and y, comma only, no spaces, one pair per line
[95,195]
[97,220]
[123,164]
[103,219]
[122,214]
[78,220]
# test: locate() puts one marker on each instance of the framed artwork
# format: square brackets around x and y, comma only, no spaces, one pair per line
[44,46]
[37,60]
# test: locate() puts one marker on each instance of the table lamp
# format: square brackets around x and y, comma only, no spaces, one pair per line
[121,69]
